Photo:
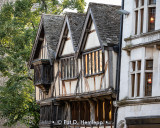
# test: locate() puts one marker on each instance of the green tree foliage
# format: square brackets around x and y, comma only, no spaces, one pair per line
[18,25]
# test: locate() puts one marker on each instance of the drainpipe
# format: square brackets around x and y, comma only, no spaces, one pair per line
[118,66]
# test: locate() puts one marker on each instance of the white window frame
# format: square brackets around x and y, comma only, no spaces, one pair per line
[145,8]
[135,72]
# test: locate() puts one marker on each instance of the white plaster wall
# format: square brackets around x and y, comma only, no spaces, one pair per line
[68,46]
[137,53]
[124,76]
[56,92]
[138,110]
[114,68]
[43,52]
[127,32]
[92,40]
[70,87]
[142,54]
[107,72]
[157,15]
[37,93]
[156,73]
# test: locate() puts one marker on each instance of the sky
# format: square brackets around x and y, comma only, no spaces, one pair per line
[114,2]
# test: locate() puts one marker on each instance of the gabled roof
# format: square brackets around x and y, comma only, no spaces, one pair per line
[74,22]
[52,26]
[52,30]
[106,21]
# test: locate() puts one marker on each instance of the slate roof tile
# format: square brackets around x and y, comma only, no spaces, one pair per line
[107,21]
[52,28]
[76,22]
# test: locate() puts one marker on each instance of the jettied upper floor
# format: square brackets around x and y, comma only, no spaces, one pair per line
[76,54]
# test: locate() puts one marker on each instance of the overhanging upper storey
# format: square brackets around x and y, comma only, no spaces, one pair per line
[43,51]
[101,26]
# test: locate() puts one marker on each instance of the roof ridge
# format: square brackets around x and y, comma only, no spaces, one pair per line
[93,3]
[67,13]
[52,15]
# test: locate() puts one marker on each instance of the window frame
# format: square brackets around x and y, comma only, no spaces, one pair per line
[66,75]
[143,10]
[146,71]
[84,62]
[137,87]
[139,24]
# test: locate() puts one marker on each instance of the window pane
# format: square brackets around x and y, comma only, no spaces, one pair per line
[151,22]
[86,64]
[93,63]
[139,65]
[142,12]
[96,61]
[137,1]
[71,67]
[64,62]
[103,111]
[133,83]
[68,68]
[149,64]
[89,63]
[136,21]
[152,1]
[148,85]
[142,2]
[62,69]
[101,62]
[76,67]
[138,83]
[133,66]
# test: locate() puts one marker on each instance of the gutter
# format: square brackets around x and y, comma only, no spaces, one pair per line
[118,67]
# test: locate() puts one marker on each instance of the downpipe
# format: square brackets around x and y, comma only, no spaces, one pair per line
[118,67]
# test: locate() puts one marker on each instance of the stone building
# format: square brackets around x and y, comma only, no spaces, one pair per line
[139,98]
[74,59]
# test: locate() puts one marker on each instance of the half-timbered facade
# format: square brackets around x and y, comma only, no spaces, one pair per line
[75,69]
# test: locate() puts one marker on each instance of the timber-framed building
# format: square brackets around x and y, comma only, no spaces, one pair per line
[74,59]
